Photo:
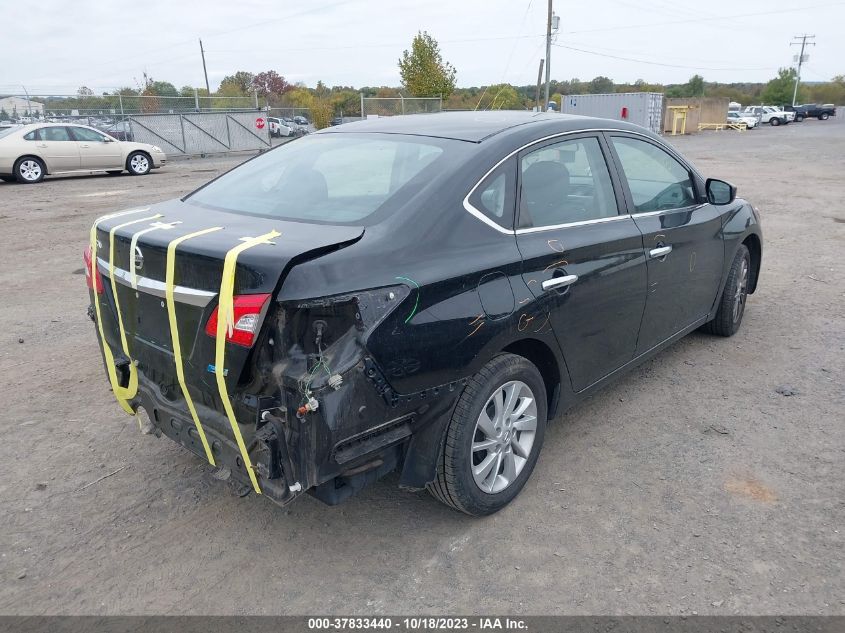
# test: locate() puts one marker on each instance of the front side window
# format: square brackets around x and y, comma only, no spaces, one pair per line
[334,178]
[564,183]
[54,134]
[84,134]
[656,179]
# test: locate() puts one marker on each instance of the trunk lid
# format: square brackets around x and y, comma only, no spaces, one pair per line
[141,240]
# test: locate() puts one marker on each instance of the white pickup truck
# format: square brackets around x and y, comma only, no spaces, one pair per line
[769,114]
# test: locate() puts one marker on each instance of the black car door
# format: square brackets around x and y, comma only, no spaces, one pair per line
[682,236]
[582,255]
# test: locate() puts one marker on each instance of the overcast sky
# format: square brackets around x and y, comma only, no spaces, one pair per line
[55,46]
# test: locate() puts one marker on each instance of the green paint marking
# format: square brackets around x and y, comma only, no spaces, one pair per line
[417,302]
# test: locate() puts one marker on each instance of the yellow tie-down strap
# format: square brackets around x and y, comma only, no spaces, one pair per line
[225,318]
[174,331]
[123,394]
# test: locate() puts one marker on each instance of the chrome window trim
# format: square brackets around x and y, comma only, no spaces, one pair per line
[477,213]
[182,294]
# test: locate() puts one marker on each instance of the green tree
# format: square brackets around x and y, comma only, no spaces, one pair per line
[4,116]
[501,97]
[163,89]
[84,91]
[423,71]
[779,90]
[601,85]
[242,79]
[695,86]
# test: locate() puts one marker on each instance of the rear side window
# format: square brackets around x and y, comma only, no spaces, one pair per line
[656,179]
[31,136]
[333,178]
[494,197]
[565,182]
[54,134]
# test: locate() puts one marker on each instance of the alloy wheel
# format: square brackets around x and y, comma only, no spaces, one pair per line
[139,163]
[504,436]
[740,292]
[30,170]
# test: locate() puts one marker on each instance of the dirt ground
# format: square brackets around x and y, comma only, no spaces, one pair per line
[690,486]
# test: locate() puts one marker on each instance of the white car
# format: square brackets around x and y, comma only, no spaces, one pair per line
[769,114]
[738,117]
[30,152]
[278,127]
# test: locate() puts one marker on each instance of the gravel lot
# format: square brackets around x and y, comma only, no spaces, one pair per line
[690,486]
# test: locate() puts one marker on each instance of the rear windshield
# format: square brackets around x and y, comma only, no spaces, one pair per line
[331,178]
[5,131]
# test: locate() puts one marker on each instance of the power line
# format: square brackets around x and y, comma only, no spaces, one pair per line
[652,63]
[704,19]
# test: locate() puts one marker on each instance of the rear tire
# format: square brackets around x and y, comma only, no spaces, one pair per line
[799,118]
[824,116]
[139,163]
[774,122]
[29,170]
[500,422]
[732,302]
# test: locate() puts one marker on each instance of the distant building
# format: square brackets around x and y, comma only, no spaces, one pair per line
[20,105]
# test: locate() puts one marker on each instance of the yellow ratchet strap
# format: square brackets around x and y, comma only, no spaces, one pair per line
[174,332]
[225,323]
[123,395]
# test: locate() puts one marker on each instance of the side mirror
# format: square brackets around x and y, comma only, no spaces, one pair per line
[719,192]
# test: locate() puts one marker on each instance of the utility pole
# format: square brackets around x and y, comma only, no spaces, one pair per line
[539,81]
[804,43]
[204,71]
[548,55]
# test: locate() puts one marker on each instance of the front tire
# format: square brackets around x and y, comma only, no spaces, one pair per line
[494,437]
[29,170]
[799,118]
[139,164]
[732,303]
[775,122]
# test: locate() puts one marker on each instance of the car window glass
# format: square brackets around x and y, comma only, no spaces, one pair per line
[55,134]
[31,136]
[565,182]
[657,181]
[327,178]
[84,134]
[494,197]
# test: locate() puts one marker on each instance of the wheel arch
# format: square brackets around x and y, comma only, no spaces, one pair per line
[755,248]
[544,359]
[40,159]
[137,151]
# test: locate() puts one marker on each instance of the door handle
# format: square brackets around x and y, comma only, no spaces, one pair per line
[42,145]
[559,282]
[85,145]
[657,253]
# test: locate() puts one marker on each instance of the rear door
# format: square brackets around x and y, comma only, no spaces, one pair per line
[582,255]
[56,146]
[97,150]
[682,237]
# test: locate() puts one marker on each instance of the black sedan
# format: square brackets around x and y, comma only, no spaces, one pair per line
[419,294]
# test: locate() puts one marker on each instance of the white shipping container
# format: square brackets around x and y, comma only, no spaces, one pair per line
[640,108]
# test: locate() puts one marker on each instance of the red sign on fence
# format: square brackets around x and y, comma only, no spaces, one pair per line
[259,123]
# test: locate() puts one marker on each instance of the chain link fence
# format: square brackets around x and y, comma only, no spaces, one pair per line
[392,106]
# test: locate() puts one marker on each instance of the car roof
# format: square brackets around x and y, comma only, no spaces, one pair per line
[473,126]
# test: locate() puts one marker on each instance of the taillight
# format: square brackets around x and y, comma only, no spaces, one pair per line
[97,280]
[246,318]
